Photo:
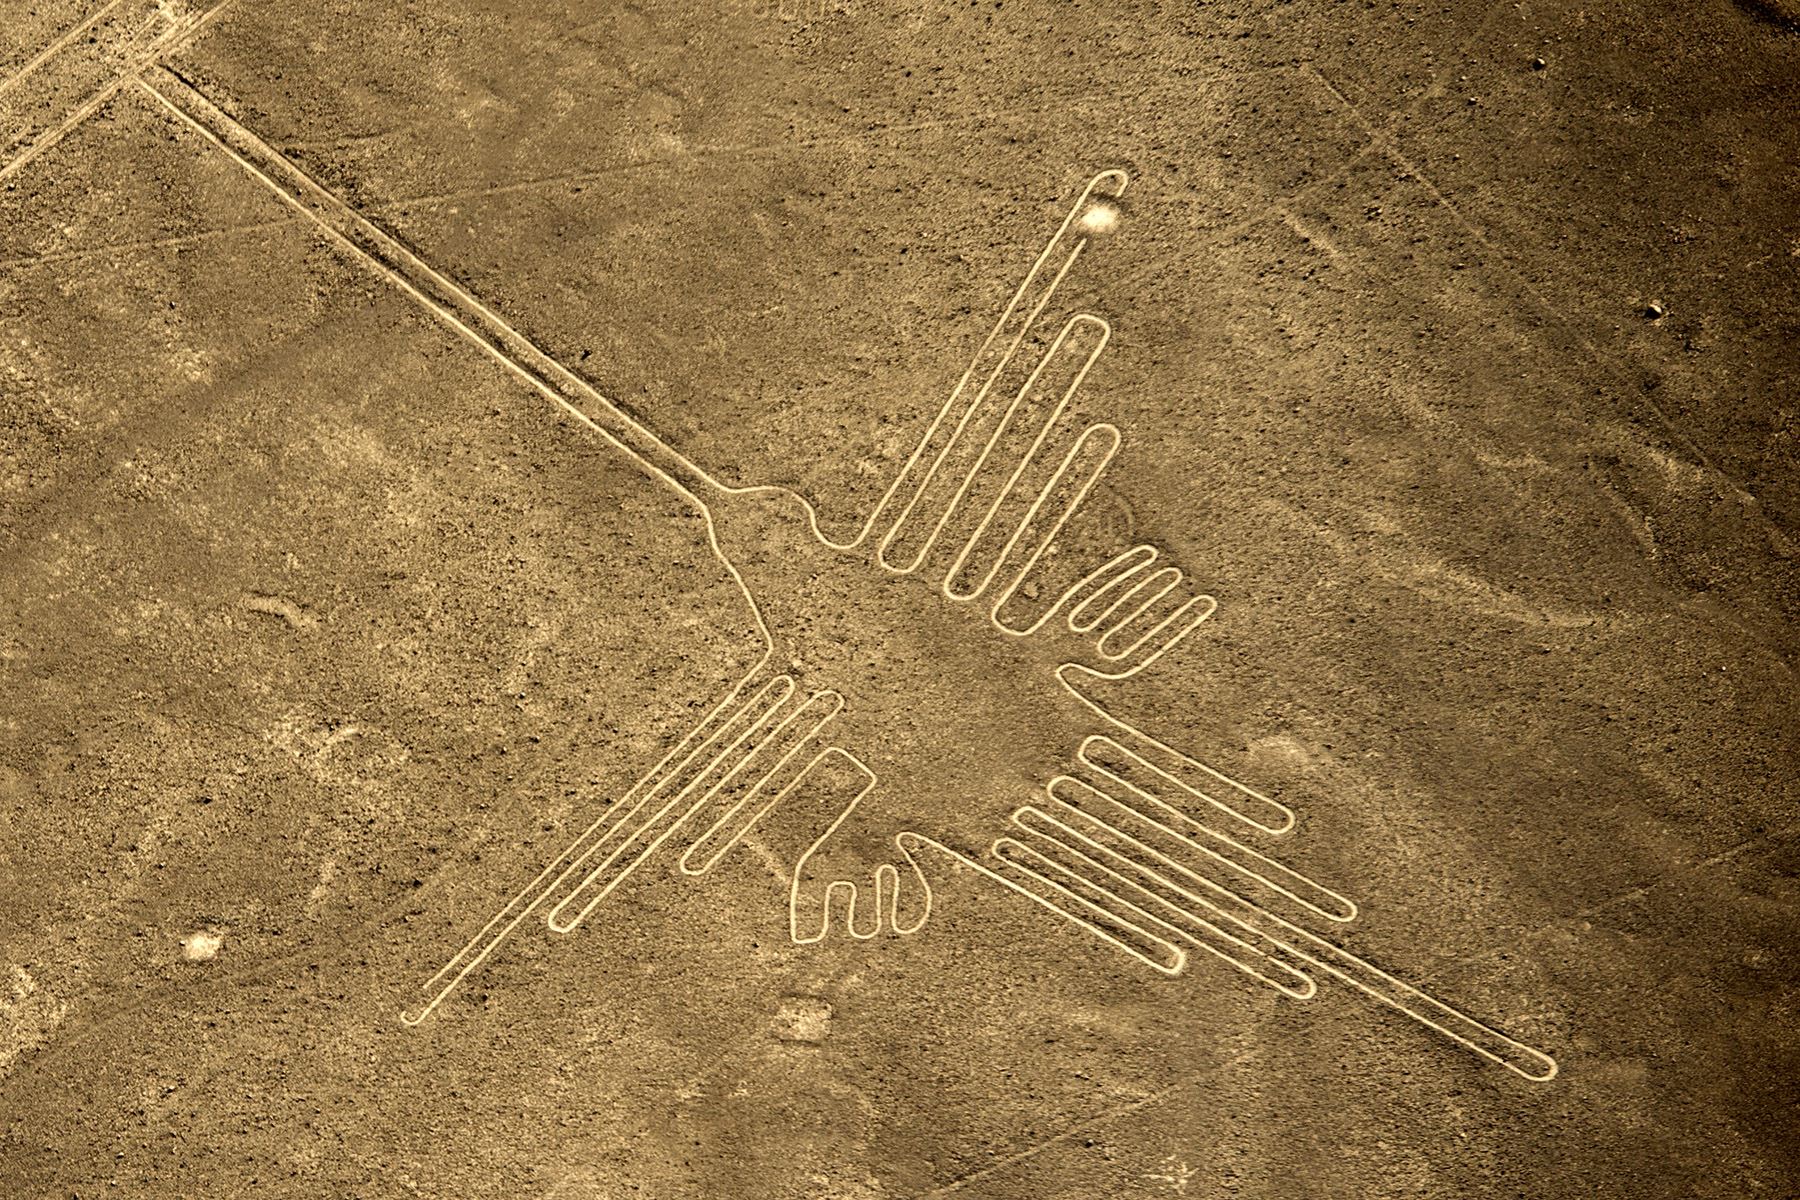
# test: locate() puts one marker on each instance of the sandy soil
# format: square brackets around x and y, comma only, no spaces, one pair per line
[1453,352]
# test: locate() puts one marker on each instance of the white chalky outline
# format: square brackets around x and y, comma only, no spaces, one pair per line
[1049,828]
[48,52]
[180,27]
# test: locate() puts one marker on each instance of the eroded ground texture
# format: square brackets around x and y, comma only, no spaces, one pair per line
[1452,350]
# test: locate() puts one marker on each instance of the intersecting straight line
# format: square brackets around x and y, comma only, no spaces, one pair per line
[438,294]
[43,56]
[393,260]
[1386,140]
[447,300]
[1560,924]
[1075,1131]
[1703,865]
[704,151]
[173,242]
[532,183]
[530,372]
[180,31]
[46,141]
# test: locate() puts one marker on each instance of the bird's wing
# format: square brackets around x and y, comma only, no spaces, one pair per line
[727,771]
[1129,840]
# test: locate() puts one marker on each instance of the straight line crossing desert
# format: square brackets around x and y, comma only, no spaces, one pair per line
[1127,837]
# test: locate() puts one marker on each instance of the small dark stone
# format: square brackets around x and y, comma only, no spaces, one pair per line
[1538,64]
[1654,311]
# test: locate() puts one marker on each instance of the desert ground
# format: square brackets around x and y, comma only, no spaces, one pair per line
[1451,349]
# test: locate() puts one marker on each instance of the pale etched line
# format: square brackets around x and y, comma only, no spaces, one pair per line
[1047,427]
[508,916]
[480,325]
[218,128]
[885,888]
[694,153]
[174,242]
[1150,862]
[535,183]
[1559,926]
[1103,431]
[1100,579]
[1122,889]
[909,842]
[1081,890]
[1112,99]
[1389,145]
[1724,856]
[668,820]
[50,137]
[978,408]
[1286,815]
[1151,587]
[1092,435]
[48,52]
[478,948]
[849,889]
[722,831]
[1117,178]
[1453,62]
[1168,576]
[1156,640]
[1088,1126]
[795,935]
[751,724]
[1118,573]
[721,746]
[969,410]
[1103,903]
[1483,1039]
[192,22]
[1310,236]
[459,309]
[178,31]
[600,173]
[1124,571]
[442,295]
[1235,856]
[573,858]
[1050,362]
[1478,1036]
[1114,886]
[1117,181]
[1118,750]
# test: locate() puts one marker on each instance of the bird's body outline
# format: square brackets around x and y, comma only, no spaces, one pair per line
[1116,876]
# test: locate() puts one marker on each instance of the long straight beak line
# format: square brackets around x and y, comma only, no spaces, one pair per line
[436,292]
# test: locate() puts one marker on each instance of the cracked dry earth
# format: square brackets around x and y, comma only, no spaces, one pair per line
[1452,351]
